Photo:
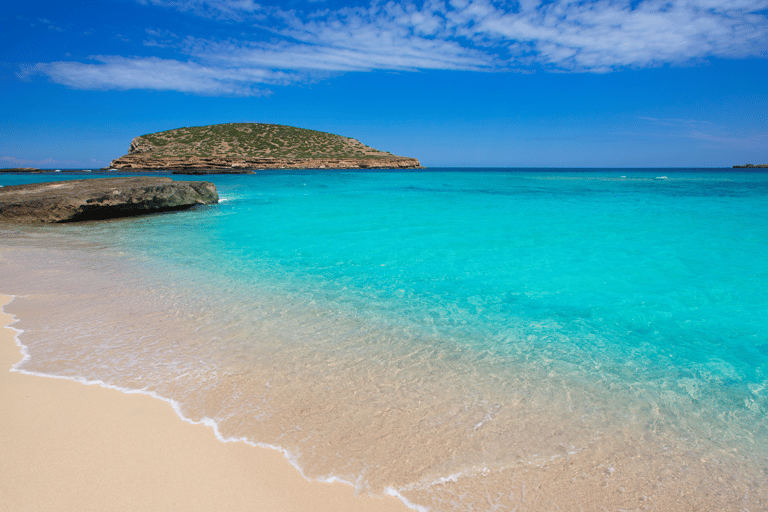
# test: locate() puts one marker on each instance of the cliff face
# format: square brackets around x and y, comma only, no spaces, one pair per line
[139,162]
[241,147]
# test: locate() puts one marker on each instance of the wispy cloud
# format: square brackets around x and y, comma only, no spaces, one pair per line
[12,160]
[707,131]
[476,35]
[161,74]
[677,123]
[50,24]
[604,35]
[220,9]
[161,38]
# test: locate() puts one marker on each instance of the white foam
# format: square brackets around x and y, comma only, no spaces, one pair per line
[208,422]
[408,503]
[226,198]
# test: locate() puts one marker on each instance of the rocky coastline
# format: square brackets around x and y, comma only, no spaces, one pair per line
[104,198]
[24,169]
[200,165]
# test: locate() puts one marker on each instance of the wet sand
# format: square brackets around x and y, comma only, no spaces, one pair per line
[68,446]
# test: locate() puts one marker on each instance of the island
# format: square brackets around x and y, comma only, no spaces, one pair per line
[242,147]
[751,166]
[23,169]
[104,198]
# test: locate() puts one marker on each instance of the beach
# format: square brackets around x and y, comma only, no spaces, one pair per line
[460,340]
[68,446]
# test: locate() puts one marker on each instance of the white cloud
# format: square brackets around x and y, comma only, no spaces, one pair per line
[374,51]
[707,131]
[604,34]
[477,35]
[222,9]
[12,160]
[50,24]
[162,75]
[160,38]
[161,33]
[569,35]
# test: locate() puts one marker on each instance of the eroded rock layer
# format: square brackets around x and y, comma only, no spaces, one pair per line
[78,200]
[242,147]
[141,162]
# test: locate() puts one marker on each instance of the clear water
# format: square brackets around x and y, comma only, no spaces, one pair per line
[464,339]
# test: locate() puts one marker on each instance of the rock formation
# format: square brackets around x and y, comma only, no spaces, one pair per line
[242,147]
[23,169]
[78,200]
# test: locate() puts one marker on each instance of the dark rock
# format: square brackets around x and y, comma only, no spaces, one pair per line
[23,169]
[140,146]
[79,200]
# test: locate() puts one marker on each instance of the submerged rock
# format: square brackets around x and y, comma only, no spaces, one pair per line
[80,200]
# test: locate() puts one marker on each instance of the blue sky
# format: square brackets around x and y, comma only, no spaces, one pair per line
[553,83]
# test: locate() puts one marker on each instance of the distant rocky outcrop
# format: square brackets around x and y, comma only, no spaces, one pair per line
[242,147]
[22,169]
[750,166]
[79,200]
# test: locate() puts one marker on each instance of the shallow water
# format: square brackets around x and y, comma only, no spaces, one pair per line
[466,340]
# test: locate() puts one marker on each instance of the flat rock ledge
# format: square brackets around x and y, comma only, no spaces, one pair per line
[104,198]
[214,165]
[22,169]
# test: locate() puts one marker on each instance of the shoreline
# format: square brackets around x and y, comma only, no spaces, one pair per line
[546,392]
[75,447]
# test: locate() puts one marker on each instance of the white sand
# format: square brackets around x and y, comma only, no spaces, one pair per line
[68,446]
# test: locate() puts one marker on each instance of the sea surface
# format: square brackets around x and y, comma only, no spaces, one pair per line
[464,339]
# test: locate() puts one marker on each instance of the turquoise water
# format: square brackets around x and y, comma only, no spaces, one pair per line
[514,318]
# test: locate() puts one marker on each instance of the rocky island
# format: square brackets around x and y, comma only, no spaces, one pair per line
[79,200]
[242,147]
[23,169]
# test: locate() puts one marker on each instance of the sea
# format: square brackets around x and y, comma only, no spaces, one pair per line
[463,339]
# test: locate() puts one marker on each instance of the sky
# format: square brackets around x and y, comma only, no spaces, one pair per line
[454,83]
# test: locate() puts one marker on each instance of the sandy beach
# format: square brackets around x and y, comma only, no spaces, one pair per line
[68,446]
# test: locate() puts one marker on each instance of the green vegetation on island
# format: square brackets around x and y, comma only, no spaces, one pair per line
[242,147]
[252,140]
